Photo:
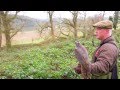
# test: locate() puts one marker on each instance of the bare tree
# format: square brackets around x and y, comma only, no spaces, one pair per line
[0,30]
[84,13]
[8,30]
[116,16]
[47,25]
[101,15]
[90,21]
[63,29]
[42,27]
[50,13]
[73,23]
[0,39]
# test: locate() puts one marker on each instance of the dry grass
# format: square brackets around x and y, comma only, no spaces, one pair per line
[23,37]
[32,37]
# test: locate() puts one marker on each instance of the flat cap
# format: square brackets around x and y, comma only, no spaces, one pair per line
[107,24]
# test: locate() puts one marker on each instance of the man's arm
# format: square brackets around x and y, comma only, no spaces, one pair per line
[105,59]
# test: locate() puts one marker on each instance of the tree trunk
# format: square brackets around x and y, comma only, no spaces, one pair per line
[0,39]
[75,33]
[52,28]
[8,41]
[84,26]
[103,15]
[116,15]
[0,30]
[75,24]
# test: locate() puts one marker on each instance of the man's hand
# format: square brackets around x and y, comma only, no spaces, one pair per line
[78,69]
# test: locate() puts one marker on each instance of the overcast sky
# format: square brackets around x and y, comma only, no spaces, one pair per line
[65,14]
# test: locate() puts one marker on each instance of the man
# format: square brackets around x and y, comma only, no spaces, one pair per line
[104,62]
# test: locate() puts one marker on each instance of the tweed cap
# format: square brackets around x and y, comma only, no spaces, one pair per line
[107,24]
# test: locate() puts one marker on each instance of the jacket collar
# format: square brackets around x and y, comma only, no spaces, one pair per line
[109,39]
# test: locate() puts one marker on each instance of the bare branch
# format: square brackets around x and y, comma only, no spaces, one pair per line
[17,30]
[15,15]
[63,33]
[68,22]
[42,27]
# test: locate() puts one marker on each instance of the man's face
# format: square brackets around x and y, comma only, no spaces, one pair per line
[100,33]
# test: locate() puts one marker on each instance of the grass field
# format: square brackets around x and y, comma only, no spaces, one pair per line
[31,37]
[49,60]
[55,60]
[27,37]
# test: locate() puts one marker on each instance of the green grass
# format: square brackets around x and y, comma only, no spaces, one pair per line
[53,60]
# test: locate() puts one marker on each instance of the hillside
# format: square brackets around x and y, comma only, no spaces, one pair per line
[29,23]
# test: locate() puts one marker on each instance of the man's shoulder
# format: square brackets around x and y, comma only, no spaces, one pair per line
[108,46]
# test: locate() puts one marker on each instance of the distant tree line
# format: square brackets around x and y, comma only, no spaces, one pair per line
[78,22]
